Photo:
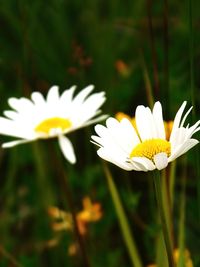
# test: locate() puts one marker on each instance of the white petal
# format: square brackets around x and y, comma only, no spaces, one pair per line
[184,118]
[78,100]
[87,123]
[20,104]
[183,148]
[158,120]
[115,159]
[146,163]
[67,95]
[88,108]
[15,143]
[177,120]
[38,98]
[11,128]
[67,148]
[53,95]
[11,114]
[161,160]
[145,123]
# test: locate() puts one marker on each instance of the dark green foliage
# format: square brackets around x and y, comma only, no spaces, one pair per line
[81,42]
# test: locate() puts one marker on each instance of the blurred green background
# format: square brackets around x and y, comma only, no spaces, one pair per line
[124,48]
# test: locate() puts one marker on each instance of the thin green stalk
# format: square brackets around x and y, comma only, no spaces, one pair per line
[42,175]
[128,238]
[172,182]
[193,95]
[166,56]
[158,191]
[9,257]
[147,81]
[67,191]
[181,241]
[191,44]
[153,49]
[167,205]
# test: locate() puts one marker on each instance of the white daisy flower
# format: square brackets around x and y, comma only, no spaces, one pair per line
[55,116]
[144,148]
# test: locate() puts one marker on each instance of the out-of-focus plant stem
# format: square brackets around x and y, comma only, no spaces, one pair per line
[166,234]
[147,82]
[66,190]
[153,50]
[128,237]
[9,257]
[193,96]
[166,56]
[181,241]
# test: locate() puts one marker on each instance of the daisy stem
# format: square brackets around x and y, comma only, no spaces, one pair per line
[128,238]
[181,241]
[158,191]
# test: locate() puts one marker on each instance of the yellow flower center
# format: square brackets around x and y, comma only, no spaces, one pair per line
[150,148]
[53,123]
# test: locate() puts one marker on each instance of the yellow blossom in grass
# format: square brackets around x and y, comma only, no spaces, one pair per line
[187,259]
[147,146]
[62,219]
[91,212]
[168,128]
[55,116]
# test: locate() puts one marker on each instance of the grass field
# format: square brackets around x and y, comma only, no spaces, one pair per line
[137,52]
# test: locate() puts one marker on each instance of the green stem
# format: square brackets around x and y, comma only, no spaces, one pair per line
[172,182]
[153,49]
[67,191]
[9,257]
[147,82]
[181,241]
[193,96]
[158,191]
[129,241]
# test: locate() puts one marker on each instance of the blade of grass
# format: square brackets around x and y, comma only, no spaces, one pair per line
[166,57]
[9,257]
[193,95]
[147,82]
[153,50]
[128,237]
[181,241]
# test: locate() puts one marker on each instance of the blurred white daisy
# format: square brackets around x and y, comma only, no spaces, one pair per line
[145,147]
[55,116]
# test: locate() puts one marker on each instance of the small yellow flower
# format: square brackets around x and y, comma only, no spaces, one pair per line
[63,220]
[91,211]
[187,258]
[149,144]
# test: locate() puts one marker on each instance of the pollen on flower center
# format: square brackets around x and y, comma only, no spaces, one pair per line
[150,148]
[53,123]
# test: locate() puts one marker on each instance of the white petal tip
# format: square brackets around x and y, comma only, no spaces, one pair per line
[161,160]
[67,149]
